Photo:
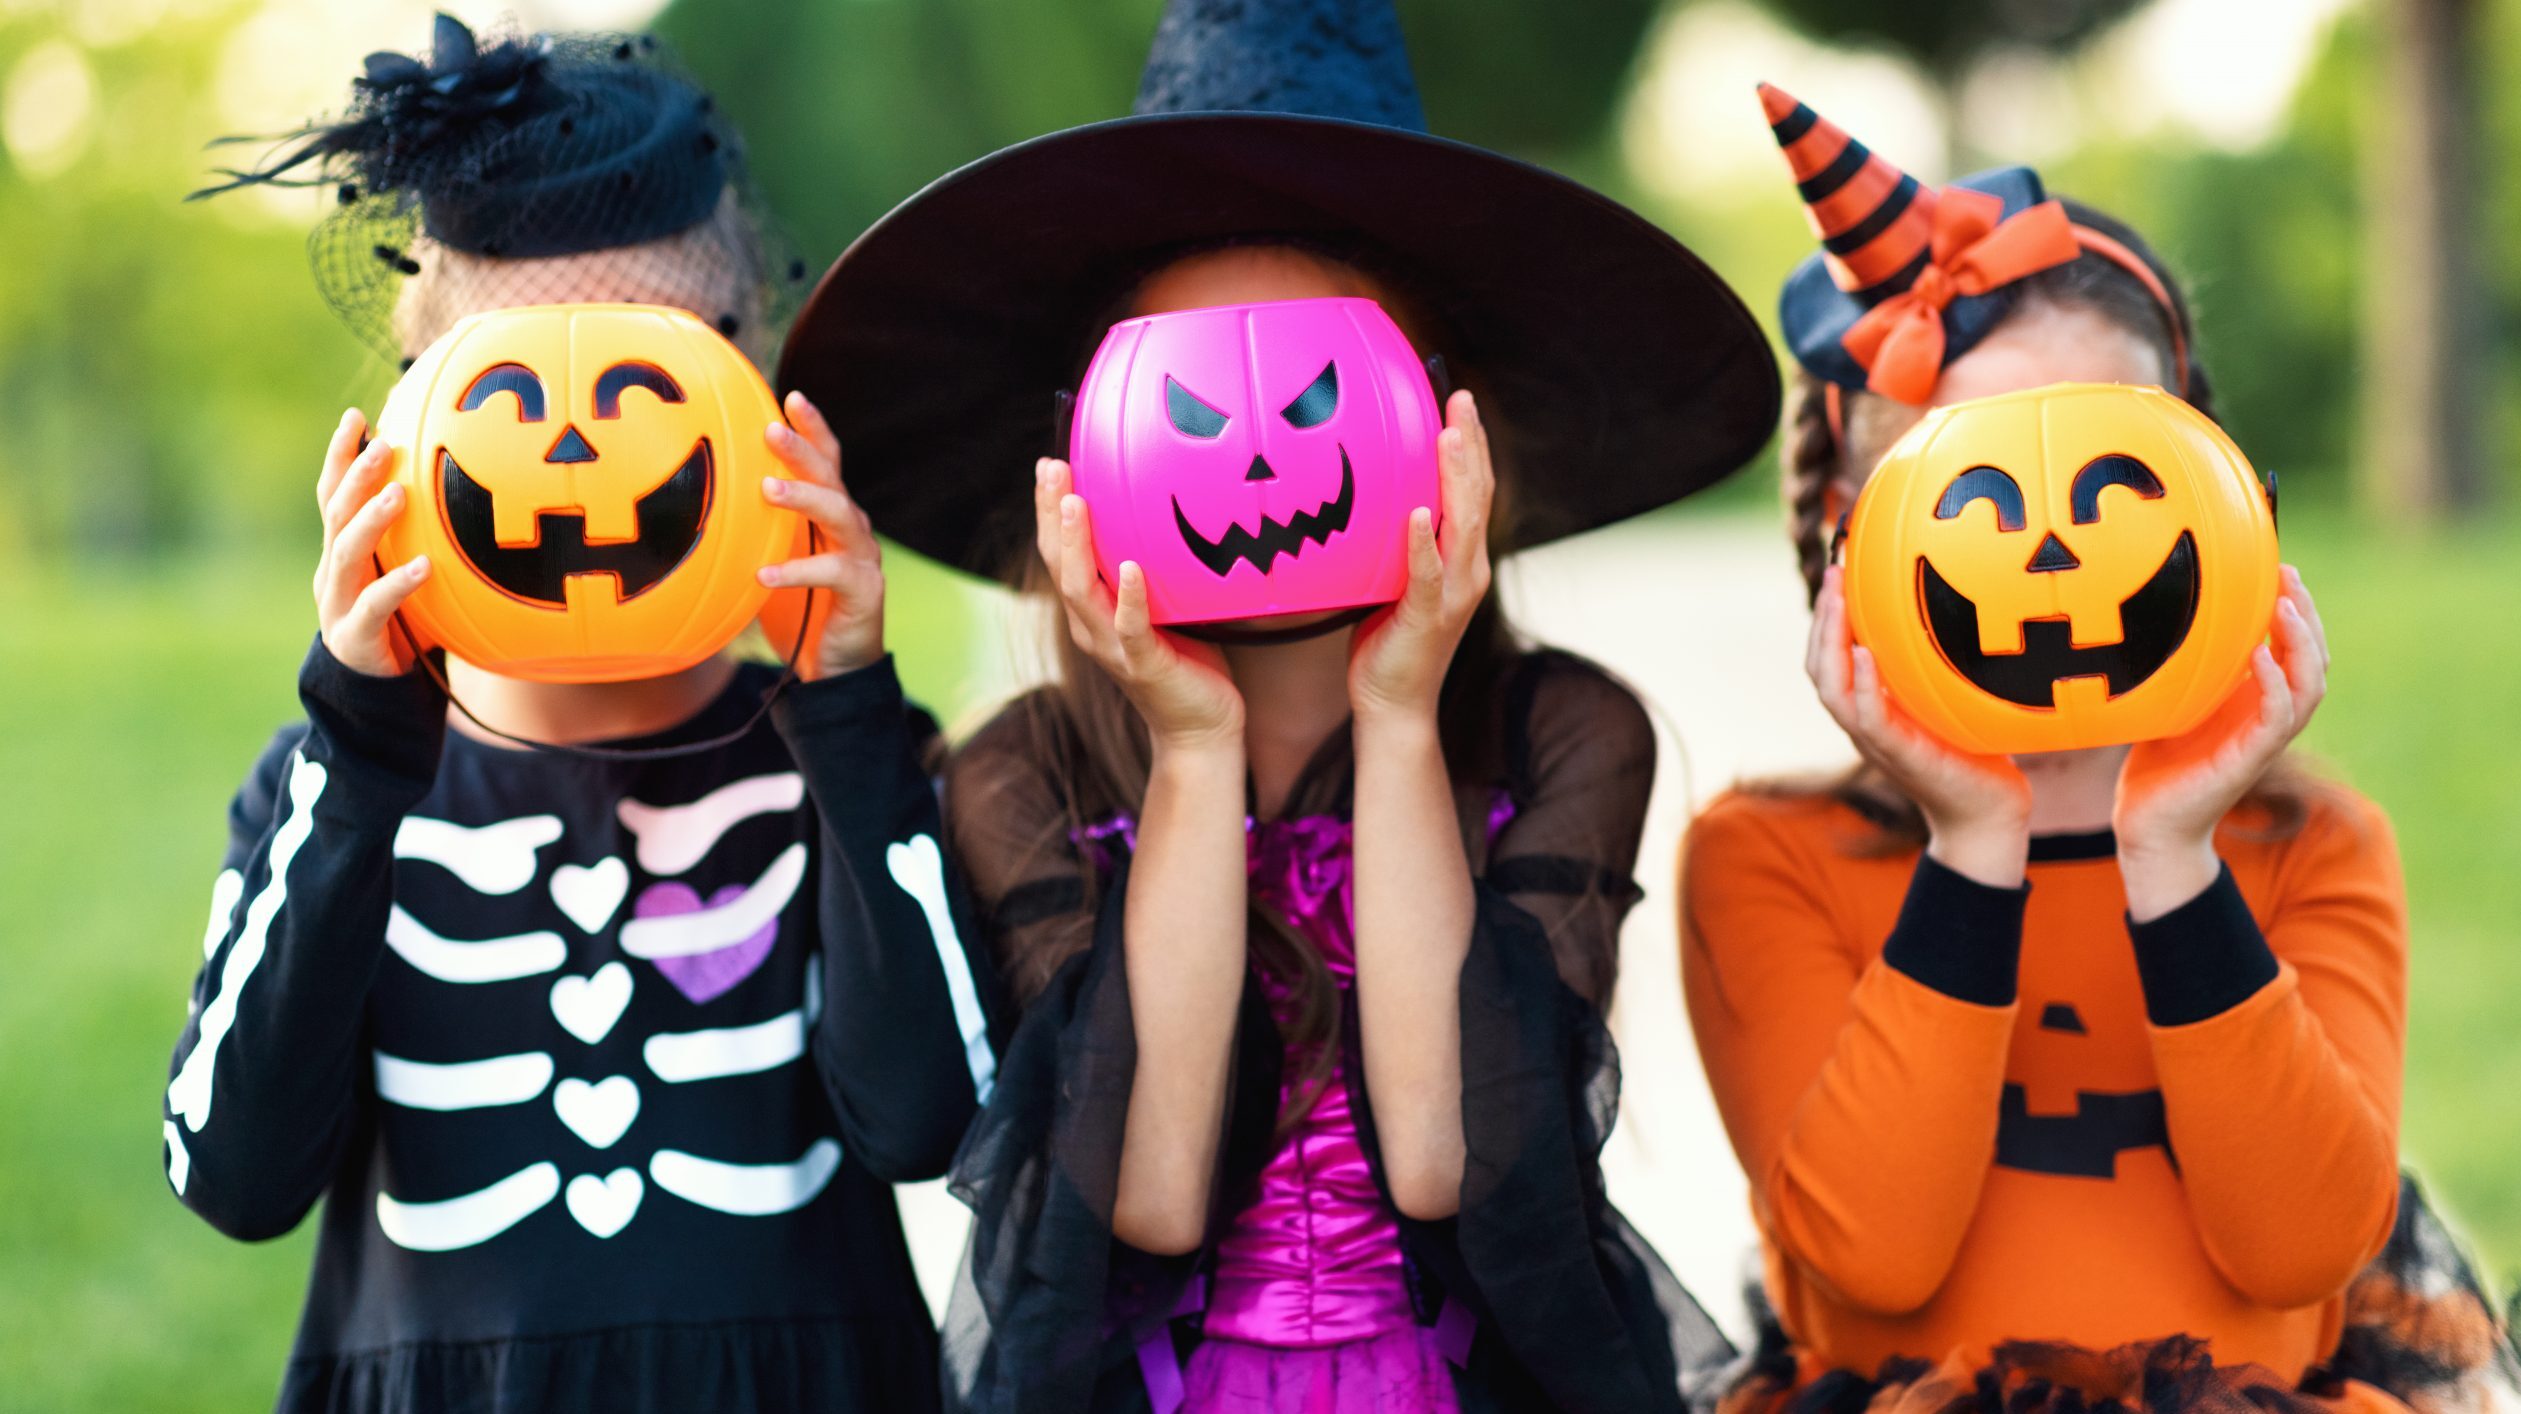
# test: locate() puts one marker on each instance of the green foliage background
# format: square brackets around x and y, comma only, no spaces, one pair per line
[167,374]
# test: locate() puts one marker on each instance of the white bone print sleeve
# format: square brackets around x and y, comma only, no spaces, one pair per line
[906,1039]
[263,1084]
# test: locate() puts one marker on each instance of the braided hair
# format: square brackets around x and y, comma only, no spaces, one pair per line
[1818,486]
[1814,460]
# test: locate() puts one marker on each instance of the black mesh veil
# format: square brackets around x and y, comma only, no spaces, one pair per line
[532,169]
[1572,1310]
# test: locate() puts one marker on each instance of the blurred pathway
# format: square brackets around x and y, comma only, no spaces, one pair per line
[1705,618]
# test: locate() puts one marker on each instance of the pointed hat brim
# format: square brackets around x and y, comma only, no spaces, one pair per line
[1617,372]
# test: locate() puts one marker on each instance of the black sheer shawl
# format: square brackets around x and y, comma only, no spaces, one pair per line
[1573,1310]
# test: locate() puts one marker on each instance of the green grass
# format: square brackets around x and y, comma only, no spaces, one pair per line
[129,709]
[2424,715]
[128,712]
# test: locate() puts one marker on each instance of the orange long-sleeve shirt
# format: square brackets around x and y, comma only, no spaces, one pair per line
[1933,1175]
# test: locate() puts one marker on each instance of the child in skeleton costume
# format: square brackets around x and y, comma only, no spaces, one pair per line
[602,1058]
[1315,922]
[2060,1080]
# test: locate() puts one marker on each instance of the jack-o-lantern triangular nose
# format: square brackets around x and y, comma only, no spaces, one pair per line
[570,448]
[2051,556]
[1259,470]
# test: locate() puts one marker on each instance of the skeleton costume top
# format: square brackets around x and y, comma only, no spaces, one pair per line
[600,1067]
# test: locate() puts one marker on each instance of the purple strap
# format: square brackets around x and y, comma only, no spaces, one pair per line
[1158,1363]
[1321,830]
[1455,1325]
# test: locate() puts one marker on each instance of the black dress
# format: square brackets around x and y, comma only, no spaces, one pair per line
[1573,1311]
[601,1068]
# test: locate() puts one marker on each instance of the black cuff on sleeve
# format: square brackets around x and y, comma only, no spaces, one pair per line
[1958,936]
[395,725]
[853,701]
[2202,958]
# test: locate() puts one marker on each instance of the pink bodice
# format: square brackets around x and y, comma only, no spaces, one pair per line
[1315,1260]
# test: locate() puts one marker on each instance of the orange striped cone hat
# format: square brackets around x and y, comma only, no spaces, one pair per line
[1908,276]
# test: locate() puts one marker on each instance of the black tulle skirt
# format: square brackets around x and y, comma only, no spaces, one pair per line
[1573,1310]
[2421,1334]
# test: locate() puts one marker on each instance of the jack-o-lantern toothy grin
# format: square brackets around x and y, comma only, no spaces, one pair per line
[1257,460]
[2064,567]
[670,518]
[2154,623]
[578,473]
[1276,537]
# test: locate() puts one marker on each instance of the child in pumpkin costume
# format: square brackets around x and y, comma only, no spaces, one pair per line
[601,1058]
[2076,1079]
[1315,925]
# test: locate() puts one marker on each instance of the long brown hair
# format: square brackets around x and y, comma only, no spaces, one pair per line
[1096,753]
[1814,471]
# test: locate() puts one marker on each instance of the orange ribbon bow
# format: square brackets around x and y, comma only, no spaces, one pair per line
[1899,342]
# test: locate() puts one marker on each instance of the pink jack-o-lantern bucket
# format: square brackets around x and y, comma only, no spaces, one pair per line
[1257,459]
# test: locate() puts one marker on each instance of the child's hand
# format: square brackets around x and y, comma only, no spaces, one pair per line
[2172,793]
[852,569]
[1977,808]
[1398,661]
[354,604]
[1180,687]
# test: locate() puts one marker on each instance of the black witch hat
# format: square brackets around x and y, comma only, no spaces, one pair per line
[1616,371]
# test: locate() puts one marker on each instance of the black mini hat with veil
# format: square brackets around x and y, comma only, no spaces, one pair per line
[524,167]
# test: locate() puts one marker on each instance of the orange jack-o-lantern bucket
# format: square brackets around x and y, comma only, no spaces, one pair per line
[586,481]
[2078,565]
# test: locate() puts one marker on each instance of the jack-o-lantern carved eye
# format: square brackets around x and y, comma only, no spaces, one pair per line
[1191,417]
[1317,402]
[2101,473]
[1983,483]
[622,377]
[514,378]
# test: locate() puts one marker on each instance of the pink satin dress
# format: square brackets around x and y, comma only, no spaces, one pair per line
[1309,1310]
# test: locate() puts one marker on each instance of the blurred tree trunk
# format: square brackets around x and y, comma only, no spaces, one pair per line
[2424,315]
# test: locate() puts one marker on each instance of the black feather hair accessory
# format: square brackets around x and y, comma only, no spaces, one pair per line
[486,157]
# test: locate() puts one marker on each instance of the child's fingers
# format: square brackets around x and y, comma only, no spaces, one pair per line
[1883,732]
[349,561]
[1050,485]
[2305,659]
[2275,698]
[1081,587]
[356,485]
[831,510]
[365,621]
[1461,410]
[1131,622]
[824,571]
[1826,658]
[812,464]
[1864,694]
[810,423]
[338,454]
[2292,588]
[1469,483]
[1076,552]
[1423,599]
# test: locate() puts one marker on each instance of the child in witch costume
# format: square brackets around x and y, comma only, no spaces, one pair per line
[602,1054]
[1314,922]
[1930,993]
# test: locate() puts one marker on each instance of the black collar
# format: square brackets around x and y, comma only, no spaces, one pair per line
[2059,849]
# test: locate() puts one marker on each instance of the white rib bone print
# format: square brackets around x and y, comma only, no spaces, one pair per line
[593,1108]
